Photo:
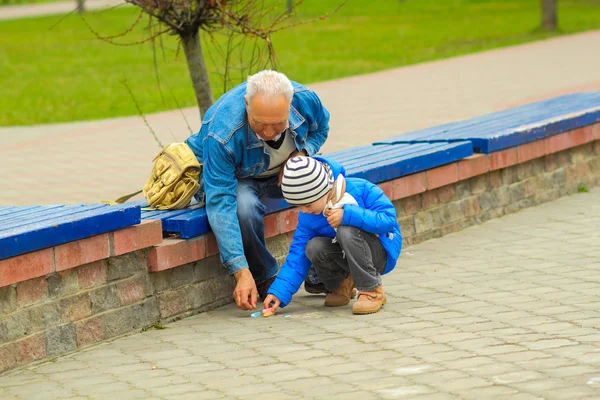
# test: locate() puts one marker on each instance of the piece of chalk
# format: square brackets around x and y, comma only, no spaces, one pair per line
[256,314]
[267,312]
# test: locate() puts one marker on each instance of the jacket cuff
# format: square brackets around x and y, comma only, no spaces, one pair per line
[310,149]
[282,298]
[236,264]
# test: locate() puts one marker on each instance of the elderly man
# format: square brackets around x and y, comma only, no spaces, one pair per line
[245,140]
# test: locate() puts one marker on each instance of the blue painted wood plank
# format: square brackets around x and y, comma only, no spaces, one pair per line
[395,166]
[188,225]
[28,213]
[166,214]
[4,210]
[77,226]
[51,215]
[515,126]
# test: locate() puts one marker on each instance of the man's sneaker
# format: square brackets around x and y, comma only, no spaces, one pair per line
[263,287]
[315,288]
[369,302]
[342,295]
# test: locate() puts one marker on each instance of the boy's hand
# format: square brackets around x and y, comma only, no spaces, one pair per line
[335,217]
[272,299]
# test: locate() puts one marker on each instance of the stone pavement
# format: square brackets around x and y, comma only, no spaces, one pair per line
[503,310]
[89,161]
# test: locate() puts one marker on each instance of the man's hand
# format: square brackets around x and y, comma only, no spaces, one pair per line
[272,299]
[335,217]
[245,293]
[294,154]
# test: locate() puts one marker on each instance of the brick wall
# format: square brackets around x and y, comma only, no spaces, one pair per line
[57,300]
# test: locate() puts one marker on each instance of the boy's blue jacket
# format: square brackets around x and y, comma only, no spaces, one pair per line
[374,213]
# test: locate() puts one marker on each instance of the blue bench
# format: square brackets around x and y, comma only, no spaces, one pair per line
[374,163]
[26,229]
[513,127]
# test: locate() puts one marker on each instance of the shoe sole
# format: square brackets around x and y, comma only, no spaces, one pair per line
[372,311]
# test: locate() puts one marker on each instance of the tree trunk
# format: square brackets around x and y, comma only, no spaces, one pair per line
[80,6]
[549,18]
[197,69]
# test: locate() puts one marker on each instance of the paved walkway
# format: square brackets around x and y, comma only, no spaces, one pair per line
[504,310]
[60,7]
[89,161]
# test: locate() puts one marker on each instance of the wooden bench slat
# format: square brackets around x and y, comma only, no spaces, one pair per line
[513,127]
[395,166]
[48,233]
[27,212]
[8,210]
[51,215]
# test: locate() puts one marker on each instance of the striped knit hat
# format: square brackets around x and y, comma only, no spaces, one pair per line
[305,180]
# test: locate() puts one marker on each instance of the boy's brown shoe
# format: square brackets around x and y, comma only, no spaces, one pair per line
[342,295]
[369,302]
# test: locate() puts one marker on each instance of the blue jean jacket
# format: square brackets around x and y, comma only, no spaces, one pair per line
[230,150]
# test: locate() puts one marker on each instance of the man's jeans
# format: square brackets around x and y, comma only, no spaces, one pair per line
[251,211]
[358,252]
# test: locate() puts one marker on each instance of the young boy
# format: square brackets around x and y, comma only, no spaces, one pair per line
[347,229]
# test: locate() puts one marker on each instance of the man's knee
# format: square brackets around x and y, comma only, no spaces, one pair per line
[249,206]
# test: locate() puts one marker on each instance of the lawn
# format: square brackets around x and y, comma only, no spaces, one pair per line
[59,71]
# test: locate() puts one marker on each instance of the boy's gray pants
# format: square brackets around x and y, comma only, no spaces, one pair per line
[356,252]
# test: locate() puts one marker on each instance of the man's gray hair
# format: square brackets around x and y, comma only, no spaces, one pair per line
[269,83]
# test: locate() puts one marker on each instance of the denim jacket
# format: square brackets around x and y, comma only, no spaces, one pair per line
[230,150]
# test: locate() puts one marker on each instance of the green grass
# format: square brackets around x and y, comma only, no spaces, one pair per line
[54,73]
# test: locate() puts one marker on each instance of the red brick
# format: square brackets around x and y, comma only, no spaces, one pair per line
[531,151]
[442,176]
[32,291]
[26,266]
[471,166]
[8,357]
[559,142]
[212,247]
[409,185]
[503,159]
[132,290]
[89,331]
[168,254]
[197,248]
[388,188]
[429,199]
[92,274]
[31,348]
[80,252]
[288,220]
[141,236]
[596,131]
[583,135]
[271,222]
